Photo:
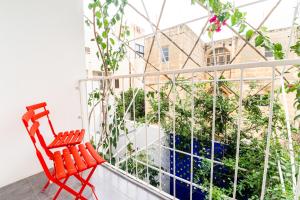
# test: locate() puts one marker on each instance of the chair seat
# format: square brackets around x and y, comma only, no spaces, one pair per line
[75,159]
[67,138]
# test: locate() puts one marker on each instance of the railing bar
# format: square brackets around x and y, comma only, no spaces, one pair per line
[87,110]
[189,154]
[287,51]
[202,81]
[278,158]
[169,174]
[174,177]
[81,106]
[213,126]
[159,136]
[134,126]
[237,156]
[141,149]
[174,135]
[289,133]
[142,183]
[248,65]
[124,124]
[268,138]
[145,108]
[107,126]
[94,113]
[192,139]
[100,117]
[297,195]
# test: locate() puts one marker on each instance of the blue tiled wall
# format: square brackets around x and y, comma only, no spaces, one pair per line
[183,166]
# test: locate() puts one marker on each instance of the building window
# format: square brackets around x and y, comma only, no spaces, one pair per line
[139,49]
[221,60]
[208,60]
[228,59]
[222,56]
[268,52]
[165,54]
[117,83]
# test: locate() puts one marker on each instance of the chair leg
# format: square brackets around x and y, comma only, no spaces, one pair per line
[48,182]
[60,188]
[46,186]
[82,181]
[86,182]
[62,185]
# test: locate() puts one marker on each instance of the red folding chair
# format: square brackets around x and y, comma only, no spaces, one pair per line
[62,139]
[68,162]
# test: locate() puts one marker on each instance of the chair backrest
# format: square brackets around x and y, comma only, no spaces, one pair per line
[40,112]
[32,128]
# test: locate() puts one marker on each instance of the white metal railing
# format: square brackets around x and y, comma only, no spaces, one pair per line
[148,138]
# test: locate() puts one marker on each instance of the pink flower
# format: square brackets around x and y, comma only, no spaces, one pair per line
[213,19]
[218,29]
[224,23]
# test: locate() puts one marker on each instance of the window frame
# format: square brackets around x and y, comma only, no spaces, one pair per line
[165,58]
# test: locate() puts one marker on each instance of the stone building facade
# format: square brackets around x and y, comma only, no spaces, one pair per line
[225,51]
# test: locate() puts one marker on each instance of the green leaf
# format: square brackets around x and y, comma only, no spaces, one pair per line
[105,23]
[98,14]
[296,48]
[104,34]
[233,20]
[103,45]
[113,21]
[259,40]
[277,47]
[112,41]
[242,28]
[118,17]
[278,53]
[92,5]
[249,34]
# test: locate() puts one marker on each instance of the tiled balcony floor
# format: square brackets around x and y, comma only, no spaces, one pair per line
[109,186]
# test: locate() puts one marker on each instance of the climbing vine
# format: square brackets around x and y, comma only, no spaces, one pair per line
[106,17]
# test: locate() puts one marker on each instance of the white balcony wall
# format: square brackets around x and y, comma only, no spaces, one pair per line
[41,59]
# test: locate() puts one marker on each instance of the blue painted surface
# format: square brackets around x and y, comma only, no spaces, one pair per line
[183,166]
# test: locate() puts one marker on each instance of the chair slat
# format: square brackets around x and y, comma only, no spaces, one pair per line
[59,165]
[36,106]
[75,137]
[61,140]
[94,153]
[40,115]
[69,162]
[79,162]
[69,138]
[81,135]
[53,143]
[90,161]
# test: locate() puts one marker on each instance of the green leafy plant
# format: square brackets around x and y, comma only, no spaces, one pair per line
[107,16]
[253,135]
